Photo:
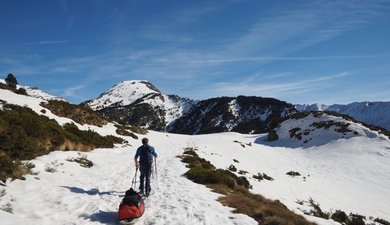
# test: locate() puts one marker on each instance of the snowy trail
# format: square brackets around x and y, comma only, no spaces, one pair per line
[352,179]
[180,201]
[76,195]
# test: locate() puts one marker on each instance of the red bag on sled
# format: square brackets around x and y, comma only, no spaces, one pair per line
[131,207]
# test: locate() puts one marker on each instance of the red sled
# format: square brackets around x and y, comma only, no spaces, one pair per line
[132,207]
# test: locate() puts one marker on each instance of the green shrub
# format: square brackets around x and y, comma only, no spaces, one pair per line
[7,208]
[340,216]
[263,176]
[317,211]
[232,168]
[382,221]
[25,135]
[356,220]
[90,137]
[21,91]
[79,114]
[124,132]
[293,173]
[242,172]
[190,151]
[207,176]
[133,128]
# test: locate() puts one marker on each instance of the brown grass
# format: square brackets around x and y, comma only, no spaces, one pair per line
[236,193]
[263,210]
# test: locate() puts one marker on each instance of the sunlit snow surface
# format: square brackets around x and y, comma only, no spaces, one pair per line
[349,174]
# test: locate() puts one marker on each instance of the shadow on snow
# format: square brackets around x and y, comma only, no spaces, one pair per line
[103,217]
[93,191]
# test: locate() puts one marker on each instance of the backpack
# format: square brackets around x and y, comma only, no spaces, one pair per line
[146,155]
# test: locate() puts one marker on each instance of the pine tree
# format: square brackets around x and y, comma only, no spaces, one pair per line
[11,81]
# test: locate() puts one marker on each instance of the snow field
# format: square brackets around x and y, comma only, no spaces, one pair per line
[348,174]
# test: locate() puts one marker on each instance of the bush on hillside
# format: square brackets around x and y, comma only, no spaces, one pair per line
[340,216]
[25,135]
[79,114]
[21,91]
[382,221]
[132,128]
[232,168]
[293,173]
[90,137]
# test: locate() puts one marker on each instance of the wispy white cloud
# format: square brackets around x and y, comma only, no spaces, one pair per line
[297,28]
[279,89]
[197,59]
[46,42]
[71,91]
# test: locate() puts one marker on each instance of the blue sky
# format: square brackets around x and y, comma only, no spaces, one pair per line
[297,51]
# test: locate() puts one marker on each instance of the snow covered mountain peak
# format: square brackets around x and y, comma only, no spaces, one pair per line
[140,102]
[124,93]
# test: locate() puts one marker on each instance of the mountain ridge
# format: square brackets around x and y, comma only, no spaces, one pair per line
[141,103]
[375,113]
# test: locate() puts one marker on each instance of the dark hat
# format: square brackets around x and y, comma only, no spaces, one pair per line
[145,141]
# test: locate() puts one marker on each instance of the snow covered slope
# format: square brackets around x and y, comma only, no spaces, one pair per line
[318,128]
[351,174]
[37,93]
[34,103]
[124,93]
[375,113]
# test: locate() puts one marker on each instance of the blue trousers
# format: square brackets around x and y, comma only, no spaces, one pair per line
[146,171]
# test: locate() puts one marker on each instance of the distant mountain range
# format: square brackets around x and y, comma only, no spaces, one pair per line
[140,103]
[375,113]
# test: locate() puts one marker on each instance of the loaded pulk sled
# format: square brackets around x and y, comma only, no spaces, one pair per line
[132,206]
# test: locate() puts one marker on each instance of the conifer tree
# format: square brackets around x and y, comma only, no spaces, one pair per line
[11,81]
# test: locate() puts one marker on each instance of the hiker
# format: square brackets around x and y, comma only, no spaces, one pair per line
[145,153]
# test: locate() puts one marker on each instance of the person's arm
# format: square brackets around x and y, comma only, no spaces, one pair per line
[154,153]
[136,157]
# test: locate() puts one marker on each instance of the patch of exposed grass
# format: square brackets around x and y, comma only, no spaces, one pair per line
[262,176]
[124,132]
[82,160]
[7,208]
[293,173]
[339,215]
[50,169]
[317,211]
[236,193]
[2,193]
[190,152]
[80,114]
[242,172]
[132,128]
[382,221]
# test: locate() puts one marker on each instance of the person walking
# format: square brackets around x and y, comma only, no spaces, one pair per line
[145,153]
